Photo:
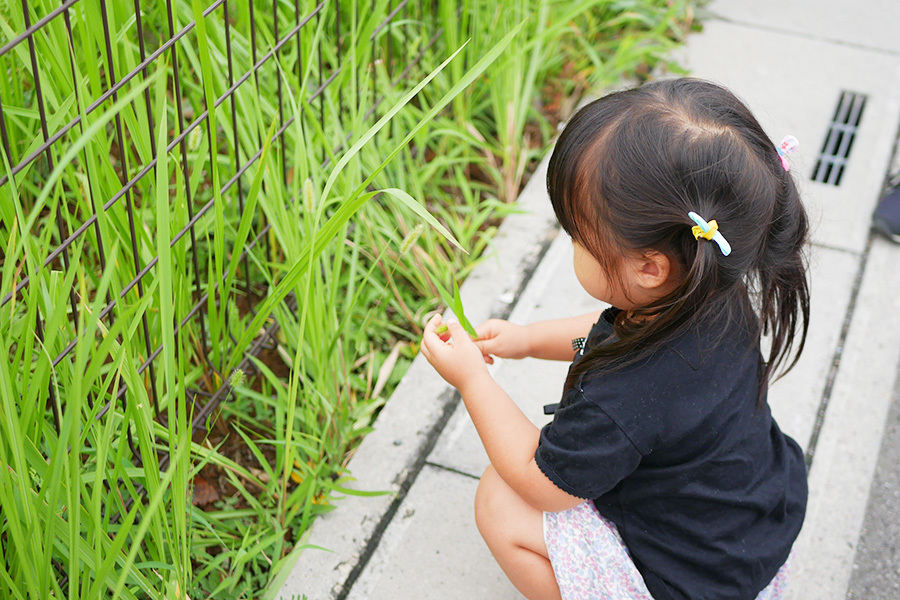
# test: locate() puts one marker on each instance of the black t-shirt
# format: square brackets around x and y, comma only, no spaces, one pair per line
[705,490]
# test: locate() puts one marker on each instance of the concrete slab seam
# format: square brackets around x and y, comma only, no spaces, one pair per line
[825,246]
[451,469]
[802,35]
[838,351]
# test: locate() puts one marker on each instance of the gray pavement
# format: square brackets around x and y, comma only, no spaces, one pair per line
[790,62]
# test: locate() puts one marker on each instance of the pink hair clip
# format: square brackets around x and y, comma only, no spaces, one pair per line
[788,144]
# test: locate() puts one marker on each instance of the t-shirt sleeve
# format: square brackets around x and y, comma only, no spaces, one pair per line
[583,451]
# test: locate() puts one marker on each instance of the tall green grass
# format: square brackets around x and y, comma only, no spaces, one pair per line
[103,495]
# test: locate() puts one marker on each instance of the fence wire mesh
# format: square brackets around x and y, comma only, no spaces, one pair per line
[105,102]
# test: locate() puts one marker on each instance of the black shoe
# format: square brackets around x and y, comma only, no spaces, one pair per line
[887,216]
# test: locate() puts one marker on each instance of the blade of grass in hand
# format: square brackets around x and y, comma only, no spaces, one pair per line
[455,304]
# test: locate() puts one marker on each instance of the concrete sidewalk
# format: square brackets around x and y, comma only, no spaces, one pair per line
[790,62]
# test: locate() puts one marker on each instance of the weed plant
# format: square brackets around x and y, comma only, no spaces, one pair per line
[214,277]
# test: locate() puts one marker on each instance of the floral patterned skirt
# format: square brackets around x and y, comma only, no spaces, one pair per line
[591,562]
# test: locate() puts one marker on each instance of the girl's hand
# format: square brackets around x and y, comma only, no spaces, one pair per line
[504,339]
[459,362]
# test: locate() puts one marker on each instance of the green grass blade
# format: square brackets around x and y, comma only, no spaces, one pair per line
[423,213]
[458,311]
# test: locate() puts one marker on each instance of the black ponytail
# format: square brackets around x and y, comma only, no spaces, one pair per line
[783,288]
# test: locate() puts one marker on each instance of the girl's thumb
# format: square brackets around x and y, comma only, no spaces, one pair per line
[456,330]
[485,345]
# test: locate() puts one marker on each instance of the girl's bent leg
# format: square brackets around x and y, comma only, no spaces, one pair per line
[513,530]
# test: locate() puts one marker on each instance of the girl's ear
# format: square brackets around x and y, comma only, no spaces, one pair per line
[653,269]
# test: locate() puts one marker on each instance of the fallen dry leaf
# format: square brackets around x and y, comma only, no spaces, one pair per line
[204,492]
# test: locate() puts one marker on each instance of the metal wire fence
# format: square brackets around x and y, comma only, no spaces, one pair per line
[78,114]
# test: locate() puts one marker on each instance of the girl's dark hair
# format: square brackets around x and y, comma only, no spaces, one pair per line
[624,174]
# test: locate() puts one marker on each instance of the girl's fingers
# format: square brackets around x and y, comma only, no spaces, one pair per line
[434,343]
[486,341]
[433,322]
[458,333]
[489,347]
[485,330]
[485,346]
[430,338]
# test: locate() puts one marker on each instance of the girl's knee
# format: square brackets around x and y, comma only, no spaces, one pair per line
[487,503]
[497,507]
[513,531]
[500,513]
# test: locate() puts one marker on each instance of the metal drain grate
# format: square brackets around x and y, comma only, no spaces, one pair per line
[841,132]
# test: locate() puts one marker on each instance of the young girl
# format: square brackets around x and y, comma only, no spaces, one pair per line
[662,474]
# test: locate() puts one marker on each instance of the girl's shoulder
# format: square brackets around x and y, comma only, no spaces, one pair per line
[703,376]
[703,348]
